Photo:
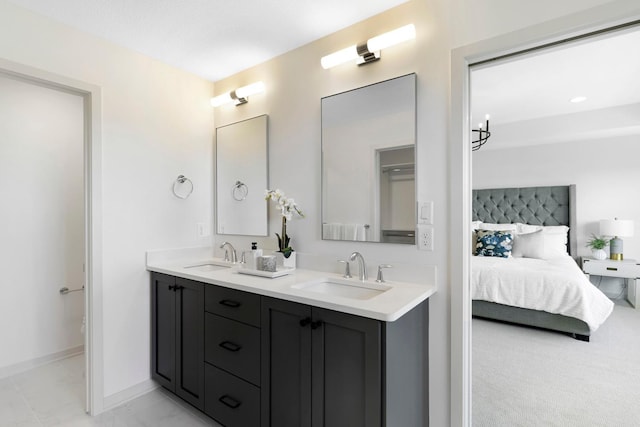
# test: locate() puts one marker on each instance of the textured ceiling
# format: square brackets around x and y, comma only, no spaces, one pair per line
[210,38]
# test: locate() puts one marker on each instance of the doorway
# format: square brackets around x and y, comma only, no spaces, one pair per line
[74,227]
[546,34]
[41,160]
[559,119]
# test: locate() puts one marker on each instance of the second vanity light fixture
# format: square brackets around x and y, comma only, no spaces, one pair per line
[238,96]
[369,51]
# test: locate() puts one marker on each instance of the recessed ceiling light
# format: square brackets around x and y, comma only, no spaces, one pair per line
[578,99]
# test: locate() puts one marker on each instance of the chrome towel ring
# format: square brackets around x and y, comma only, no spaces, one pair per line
[179,187]
[239,191]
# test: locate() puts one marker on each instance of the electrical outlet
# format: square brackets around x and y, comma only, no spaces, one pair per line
[425,238]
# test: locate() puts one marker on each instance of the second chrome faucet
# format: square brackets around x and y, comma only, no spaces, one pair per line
[362,265]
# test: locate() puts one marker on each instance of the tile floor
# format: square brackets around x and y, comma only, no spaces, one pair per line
[53,395]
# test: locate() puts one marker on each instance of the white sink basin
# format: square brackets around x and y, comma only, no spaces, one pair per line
[209,266]
[346,288]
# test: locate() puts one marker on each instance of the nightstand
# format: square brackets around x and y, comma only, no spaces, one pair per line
[628,269]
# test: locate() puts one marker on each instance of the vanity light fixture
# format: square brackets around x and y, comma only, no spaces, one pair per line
[483,135]
[369,51]
[578,99]
[238,96]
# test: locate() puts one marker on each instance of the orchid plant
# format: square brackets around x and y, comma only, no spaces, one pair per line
[287,207]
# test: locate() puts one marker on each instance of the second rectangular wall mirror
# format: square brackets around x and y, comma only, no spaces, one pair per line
[241,177]
[368,163]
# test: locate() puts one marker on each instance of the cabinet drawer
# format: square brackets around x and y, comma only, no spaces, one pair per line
[229,400]
[233,346]
[233,304]
[612,268]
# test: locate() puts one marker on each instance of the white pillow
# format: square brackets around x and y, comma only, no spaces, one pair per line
[498,227]
[527,228]
[547,243]
[529,245]
[556,229]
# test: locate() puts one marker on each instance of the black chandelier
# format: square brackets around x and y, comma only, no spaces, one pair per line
[483,135]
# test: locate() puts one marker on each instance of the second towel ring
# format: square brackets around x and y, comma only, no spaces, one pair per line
[181,179]
[239,191]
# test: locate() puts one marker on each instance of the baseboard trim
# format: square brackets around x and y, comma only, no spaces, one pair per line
[18,368]
[128,394]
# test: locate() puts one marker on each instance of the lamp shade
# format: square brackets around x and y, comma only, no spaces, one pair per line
[616,227]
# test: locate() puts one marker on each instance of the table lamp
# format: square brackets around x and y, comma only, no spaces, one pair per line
[616,228]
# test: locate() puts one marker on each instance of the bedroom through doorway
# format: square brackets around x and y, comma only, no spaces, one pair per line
[560,116]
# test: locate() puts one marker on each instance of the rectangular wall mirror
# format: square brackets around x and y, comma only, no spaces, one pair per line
[368,163]
[242,177]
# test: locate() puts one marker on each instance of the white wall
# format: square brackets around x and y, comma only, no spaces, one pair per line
[157,124]
[41,236]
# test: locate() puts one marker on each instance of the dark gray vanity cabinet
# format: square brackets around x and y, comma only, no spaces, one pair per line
[325,368]
[177,336]
[232,356]
[248,360]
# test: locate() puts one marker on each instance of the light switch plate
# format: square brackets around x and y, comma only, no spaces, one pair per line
[202,230]
[425,213]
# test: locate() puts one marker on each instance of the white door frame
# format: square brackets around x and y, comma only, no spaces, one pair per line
[597,19]
[92,100]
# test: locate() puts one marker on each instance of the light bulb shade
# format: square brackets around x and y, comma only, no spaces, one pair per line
[373,45]
[221,99]
[239,94]
[340,57]
[252,89]
[399,35]
[616,227]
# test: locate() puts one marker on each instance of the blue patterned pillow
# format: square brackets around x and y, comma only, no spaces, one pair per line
[494,243]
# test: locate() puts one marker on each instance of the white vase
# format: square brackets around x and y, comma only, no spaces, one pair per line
[599,253]
[286,262]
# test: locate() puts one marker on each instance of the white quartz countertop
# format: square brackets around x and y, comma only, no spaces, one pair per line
[387,306]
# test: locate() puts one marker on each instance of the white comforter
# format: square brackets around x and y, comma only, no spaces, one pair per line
[555,286]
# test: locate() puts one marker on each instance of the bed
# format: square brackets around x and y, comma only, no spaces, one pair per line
[570,304]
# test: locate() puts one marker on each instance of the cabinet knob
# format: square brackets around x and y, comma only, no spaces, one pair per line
[172,288]
[316,324]
[304,322]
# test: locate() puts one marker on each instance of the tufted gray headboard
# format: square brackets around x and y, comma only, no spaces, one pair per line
[530,205]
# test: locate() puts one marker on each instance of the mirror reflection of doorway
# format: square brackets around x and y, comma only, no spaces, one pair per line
[397,191]
[544,136]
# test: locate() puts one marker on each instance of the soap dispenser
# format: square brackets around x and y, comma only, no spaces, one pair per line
[253,257]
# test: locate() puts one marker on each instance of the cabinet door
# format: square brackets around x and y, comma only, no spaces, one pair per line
[286,364]
[163,330]
[190,342]
[346,370]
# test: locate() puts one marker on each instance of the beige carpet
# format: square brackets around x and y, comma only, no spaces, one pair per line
[528,377]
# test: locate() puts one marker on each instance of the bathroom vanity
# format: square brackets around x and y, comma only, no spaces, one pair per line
[291,351]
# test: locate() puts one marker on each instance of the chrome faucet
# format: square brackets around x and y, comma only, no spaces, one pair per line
[234,257]
[362,266]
